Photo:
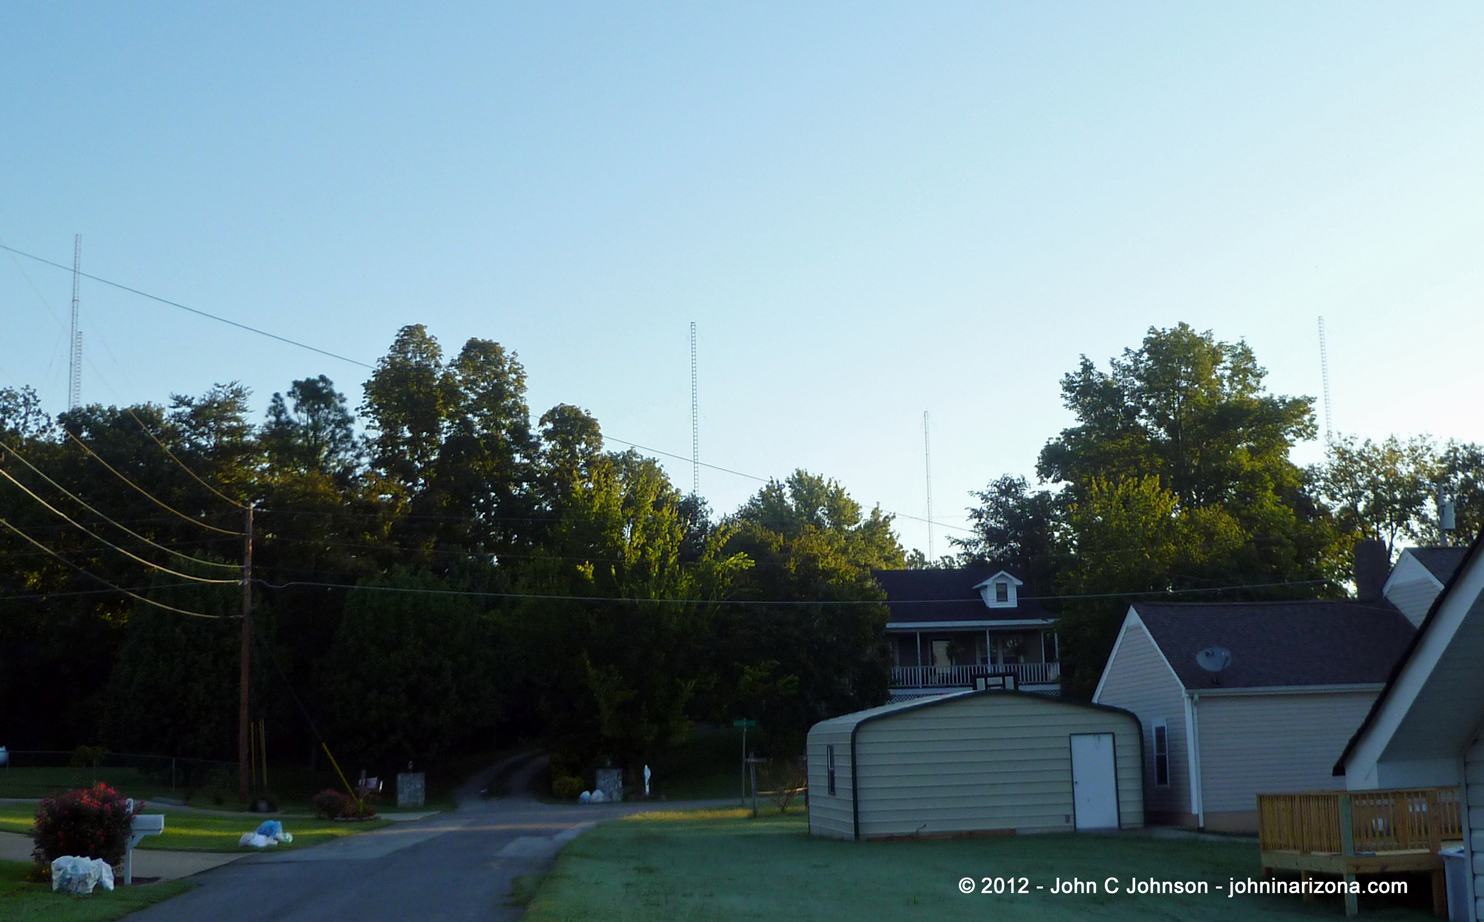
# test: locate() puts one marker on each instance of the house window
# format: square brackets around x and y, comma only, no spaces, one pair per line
[829,767]
[1002,591]
[1162,754]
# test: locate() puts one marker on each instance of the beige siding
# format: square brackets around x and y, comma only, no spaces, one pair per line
[1251,744]
[985,762]
[1473,777]
[1413,598]
[831,814]
[1138,680]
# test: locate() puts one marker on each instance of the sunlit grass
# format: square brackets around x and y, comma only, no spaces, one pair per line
[205,832]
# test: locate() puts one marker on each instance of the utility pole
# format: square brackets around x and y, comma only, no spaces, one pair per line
[243,729]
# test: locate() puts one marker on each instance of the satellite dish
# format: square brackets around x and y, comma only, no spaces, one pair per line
[1214,659]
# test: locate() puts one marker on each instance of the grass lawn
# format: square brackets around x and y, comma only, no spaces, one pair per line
[46,782]
[205,832]
[22,902]
[706,766]
[723,865]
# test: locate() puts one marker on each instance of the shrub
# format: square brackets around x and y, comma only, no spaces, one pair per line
[567,787]
[90,823]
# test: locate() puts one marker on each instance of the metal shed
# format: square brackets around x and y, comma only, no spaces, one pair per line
[975,762]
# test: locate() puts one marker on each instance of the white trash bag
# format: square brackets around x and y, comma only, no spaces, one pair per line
[598,798]
[253,840]
[71,874]
[584,797]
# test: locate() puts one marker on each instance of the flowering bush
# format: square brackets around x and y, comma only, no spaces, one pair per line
[90,823]
[331,804]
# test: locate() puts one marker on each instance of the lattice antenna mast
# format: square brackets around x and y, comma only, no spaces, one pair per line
[695,420]
[1324,373]
[927,457]
[74,365]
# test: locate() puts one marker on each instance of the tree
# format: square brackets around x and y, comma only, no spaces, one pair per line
[317,433]
[1379,489]
[822,652]
[1014,524]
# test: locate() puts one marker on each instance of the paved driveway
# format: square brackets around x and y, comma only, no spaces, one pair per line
[445,868]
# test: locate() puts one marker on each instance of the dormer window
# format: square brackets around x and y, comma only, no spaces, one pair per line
[1000,590]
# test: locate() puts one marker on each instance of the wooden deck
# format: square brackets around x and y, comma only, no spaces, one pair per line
[1350,833]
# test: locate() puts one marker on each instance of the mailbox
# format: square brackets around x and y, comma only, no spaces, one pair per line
[148,824]
[143,824]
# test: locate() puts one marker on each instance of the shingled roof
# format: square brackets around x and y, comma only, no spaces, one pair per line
[949,595]
[1441,562]
[1280,644]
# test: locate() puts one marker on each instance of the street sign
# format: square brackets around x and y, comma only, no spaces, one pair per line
[744,724]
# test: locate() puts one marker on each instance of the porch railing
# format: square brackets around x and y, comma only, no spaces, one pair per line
[1359,822]
[964,676]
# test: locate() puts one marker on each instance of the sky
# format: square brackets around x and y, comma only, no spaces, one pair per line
[870,211]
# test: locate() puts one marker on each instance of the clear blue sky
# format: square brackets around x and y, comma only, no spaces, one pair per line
[871,211]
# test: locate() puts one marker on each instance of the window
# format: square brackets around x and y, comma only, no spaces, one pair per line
[1161,754]
[1002,591]
[829,767]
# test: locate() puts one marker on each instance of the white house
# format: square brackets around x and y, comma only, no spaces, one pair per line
[1246,697]
[1427,727]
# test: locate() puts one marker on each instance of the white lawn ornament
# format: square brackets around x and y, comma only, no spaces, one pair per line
[646,781]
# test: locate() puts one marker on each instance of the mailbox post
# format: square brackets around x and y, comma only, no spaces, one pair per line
[145,824]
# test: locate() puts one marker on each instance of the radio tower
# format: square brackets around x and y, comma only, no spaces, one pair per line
[695,421]
[927,456]
[1324,373]
[74,367]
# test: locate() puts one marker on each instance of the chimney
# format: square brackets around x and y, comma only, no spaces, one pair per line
[1372,566]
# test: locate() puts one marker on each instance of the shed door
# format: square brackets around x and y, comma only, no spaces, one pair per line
[1094,781]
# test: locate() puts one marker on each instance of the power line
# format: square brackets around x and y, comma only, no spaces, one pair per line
[132,595]
[763,602]
[15,454]
[157,501]
[182,464]
[126,553]
[192,310]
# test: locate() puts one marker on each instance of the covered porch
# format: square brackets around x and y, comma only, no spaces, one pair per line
[945,658]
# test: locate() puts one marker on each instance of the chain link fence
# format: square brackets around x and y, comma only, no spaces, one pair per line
[31,774]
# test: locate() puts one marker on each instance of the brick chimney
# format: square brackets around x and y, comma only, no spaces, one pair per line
[1372,566]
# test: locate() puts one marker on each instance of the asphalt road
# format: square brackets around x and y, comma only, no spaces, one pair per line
[450,867]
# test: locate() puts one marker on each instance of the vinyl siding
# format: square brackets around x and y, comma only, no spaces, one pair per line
[1138,680]
[1253,744]
[1473,775]
[985,762]
[1414,598]
[831,814]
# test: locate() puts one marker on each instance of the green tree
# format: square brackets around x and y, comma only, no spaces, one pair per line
[316,433]
[1379,489]
[823,651]
[1017,525]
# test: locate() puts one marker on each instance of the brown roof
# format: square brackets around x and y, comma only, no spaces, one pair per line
[1278,644]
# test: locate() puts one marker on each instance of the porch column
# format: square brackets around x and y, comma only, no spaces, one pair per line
[988,649]
[919,648]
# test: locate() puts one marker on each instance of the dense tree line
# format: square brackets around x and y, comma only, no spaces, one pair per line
[436,572]
[1177,476]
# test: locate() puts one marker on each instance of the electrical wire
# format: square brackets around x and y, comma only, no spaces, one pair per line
[208,563]
[183,465]
[126,553]
[768,603]
[159,502]
[132,595]
[192,310]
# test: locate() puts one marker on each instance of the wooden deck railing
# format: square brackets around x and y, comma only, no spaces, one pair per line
[1359,822]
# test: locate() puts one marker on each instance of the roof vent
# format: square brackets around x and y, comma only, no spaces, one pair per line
[1214,659]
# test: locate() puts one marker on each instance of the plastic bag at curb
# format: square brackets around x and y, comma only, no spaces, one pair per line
[253,840]
[71,874]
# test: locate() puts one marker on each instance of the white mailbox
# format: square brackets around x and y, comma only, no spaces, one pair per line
[145,824]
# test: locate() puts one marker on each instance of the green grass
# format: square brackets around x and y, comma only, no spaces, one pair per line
[722,865]
[23,902]
[45,782]
[205,832]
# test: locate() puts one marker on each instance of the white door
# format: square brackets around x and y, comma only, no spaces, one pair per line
[1094,781]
